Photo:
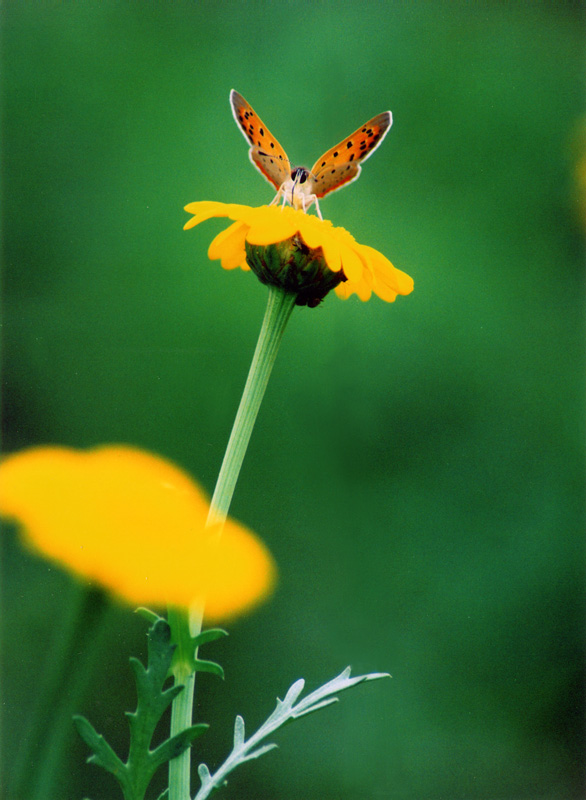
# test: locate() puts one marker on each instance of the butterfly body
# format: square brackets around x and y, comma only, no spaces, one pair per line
[299,186]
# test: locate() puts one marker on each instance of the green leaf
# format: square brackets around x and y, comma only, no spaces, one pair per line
[239,732]
[260,752]
[103,755]
[153,699]
[208,666]
[285,711]
[147,614]
[185,660]
[209,636]
[173,747]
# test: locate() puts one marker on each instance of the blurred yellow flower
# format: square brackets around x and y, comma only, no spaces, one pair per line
[135,524]
[358,269]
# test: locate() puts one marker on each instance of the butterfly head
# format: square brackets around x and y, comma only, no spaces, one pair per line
[297,190]
[299,175]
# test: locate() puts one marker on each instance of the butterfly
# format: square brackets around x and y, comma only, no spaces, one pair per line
[298,186]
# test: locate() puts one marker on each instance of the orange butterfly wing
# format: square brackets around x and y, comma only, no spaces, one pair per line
[265,152]
[341,164]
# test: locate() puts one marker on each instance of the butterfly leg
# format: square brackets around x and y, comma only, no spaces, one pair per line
[307,201]
[317,208]
[280,194]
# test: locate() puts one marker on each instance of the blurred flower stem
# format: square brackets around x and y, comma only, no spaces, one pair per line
[77,642]
[279,307]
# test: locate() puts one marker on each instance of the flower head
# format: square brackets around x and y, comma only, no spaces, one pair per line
[135,524]
[299,252]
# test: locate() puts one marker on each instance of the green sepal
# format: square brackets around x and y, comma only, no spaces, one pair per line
[135,775]
[295,268]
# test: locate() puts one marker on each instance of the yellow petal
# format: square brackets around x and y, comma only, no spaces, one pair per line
[332,254]
[388,279]
[202,211]
[367,270]
[135,524]
[237,574]
[312,229]
[363,291]
[343,291]
[361,288]
[268,229]
[351,264]
[205,209]
[229,246]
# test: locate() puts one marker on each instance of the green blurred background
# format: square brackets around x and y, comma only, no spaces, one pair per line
[417,468]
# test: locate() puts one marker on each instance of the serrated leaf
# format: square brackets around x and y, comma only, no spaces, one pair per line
[285,711]
[153,699]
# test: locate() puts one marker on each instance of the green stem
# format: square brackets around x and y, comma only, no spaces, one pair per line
[78,641]
[279,307]
[182,709]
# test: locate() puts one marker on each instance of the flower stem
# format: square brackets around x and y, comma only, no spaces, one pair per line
[279,307]
[184,625]
[77,645]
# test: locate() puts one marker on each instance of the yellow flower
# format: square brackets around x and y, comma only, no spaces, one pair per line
[135,524]
[314,256]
